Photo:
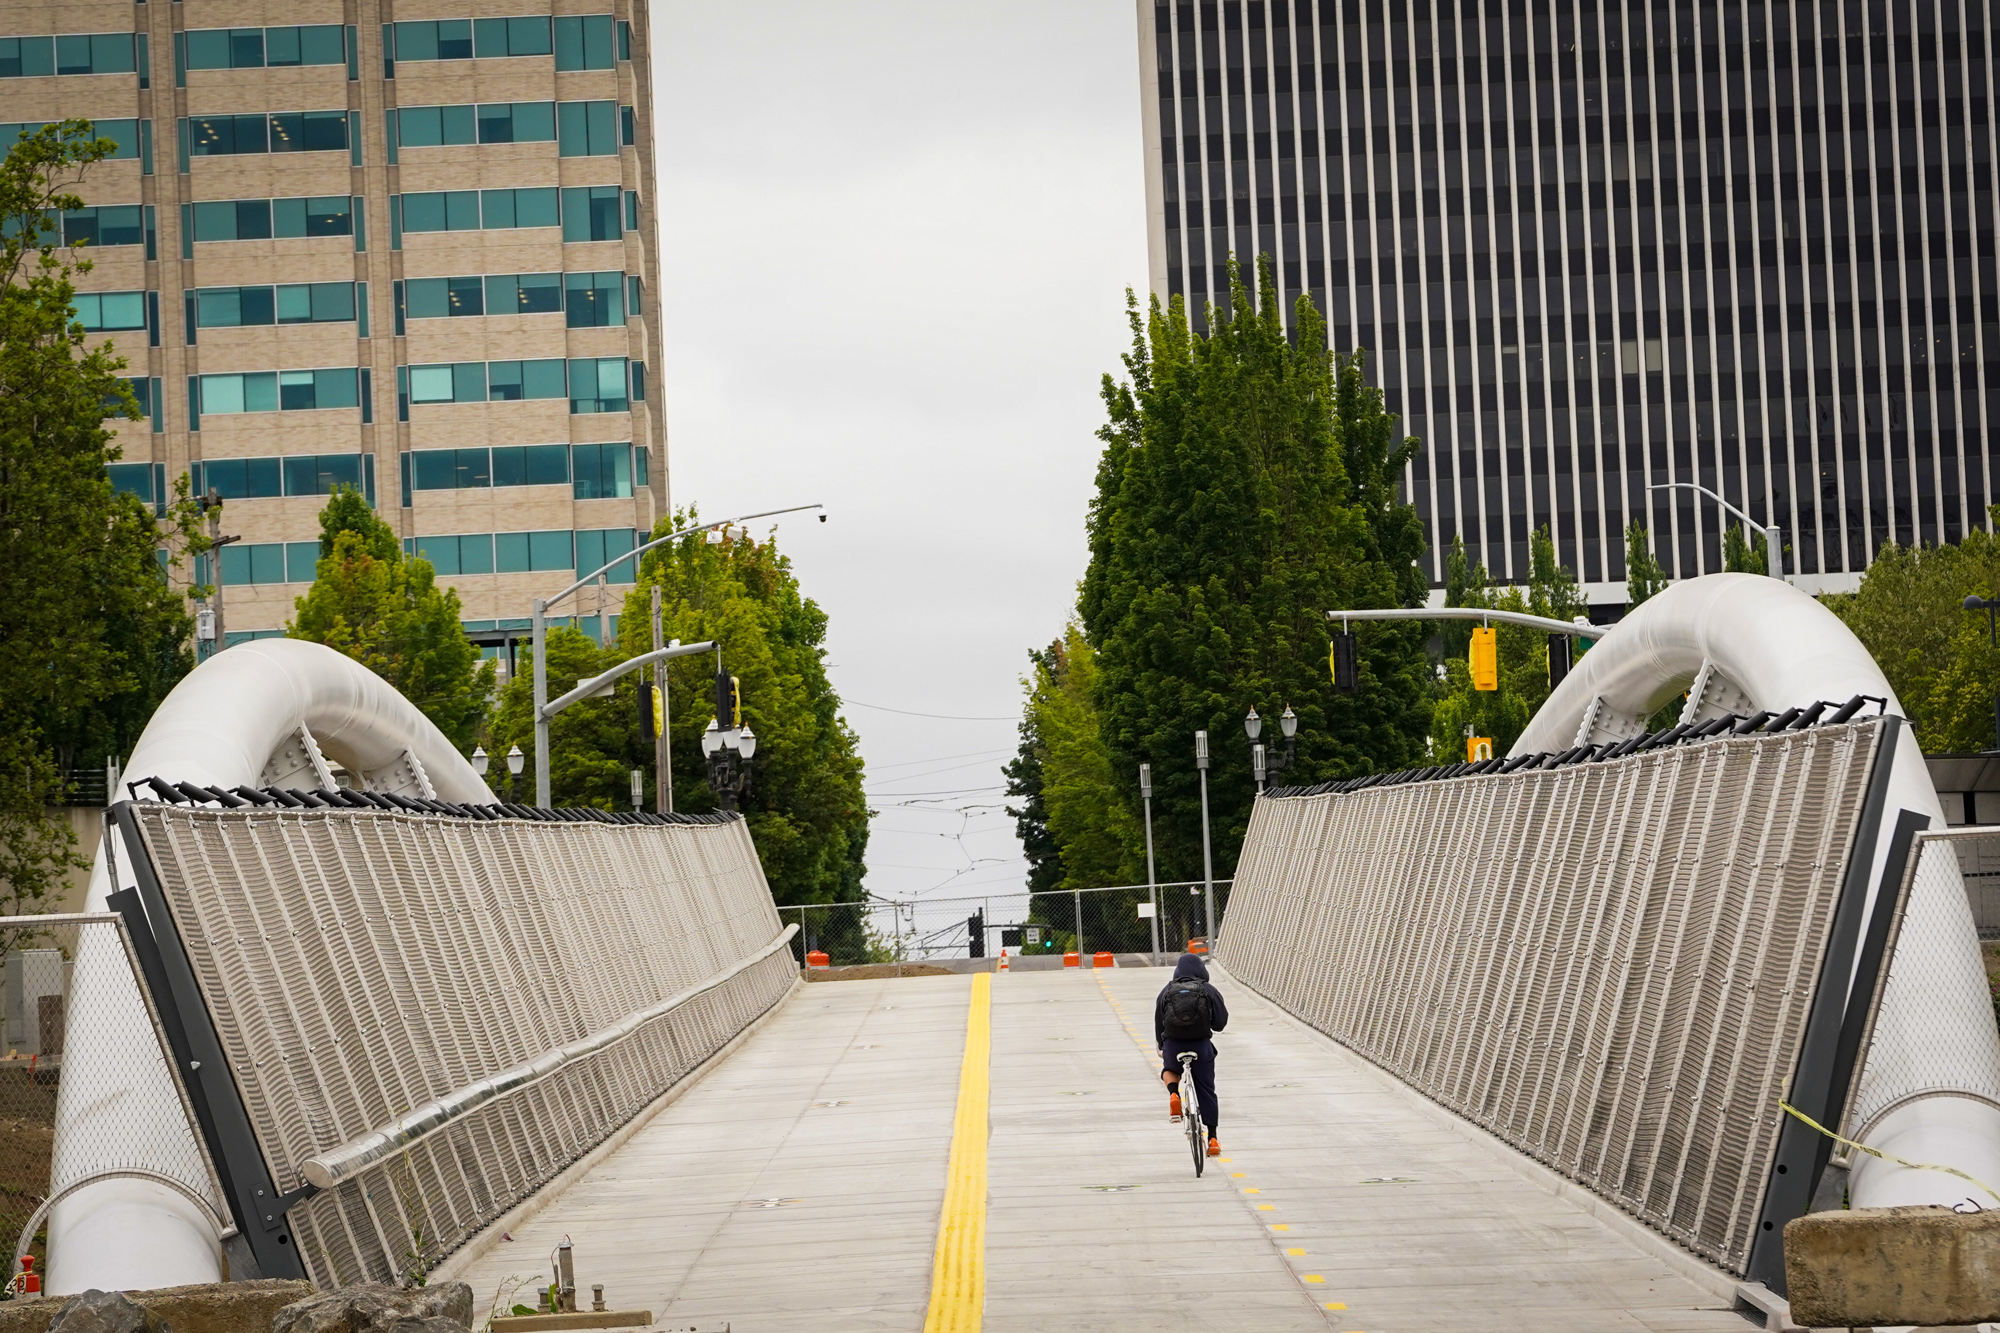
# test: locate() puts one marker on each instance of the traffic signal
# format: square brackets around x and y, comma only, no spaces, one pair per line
[1346,671]
[1559,658]
[651,711]
[1484,659]
[728,701]
[1478,748]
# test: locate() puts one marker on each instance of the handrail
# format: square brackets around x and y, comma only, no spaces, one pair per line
[332,1167]
[224,1228]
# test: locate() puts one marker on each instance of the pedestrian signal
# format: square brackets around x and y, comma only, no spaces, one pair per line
[1346,673]
[1478,748]
[1484,660]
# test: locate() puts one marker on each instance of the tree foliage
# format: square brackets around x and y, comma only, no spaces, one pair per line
[1937,656]
[1246,488]
[1088,819]
[805,807]
[385,610]
[1643,575]
[91,634]
[1744,557]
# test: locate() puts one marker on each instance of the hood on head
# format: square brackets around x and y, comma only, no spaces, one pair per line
[1190,965]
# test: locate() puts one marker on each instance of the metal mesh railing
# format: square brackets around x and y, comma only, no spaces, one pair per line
[361,964]
[64,981]
[916,930]
[1934,960]
[1609,965]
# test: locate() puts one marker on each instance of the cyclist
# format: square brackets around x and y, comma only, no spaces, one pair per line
[1187,1013]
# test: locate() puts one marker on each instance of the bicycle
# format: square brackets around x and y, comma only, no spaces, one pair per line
[1191,1113]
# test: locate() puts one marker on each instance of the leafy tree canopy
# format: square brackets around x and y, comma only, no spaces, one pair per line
[805,807]
[1643,576]
[1247,487]
[91,635]
[1938,657]
[386,611]
[1087,814]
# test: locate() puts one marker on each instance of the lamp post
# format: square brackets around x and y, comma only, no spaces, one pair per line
[1263,763]
[516,761]
[728,752]
[1774,557]
[540,610]
[1207,864]
[1988,604]
[1152,880]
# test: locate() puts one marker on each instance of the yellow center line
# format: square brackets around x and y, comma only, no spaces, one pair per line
[958,1273]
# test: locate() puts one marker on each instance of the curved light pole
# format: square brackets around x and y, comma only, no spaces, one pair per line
[543,710]
[1774,556]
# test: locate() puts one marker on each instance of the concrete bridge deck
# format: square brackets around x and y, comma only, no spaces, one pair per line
[799,1185]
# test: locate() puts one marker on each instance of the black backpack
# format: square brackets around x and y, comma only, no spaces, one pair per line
[1187,1014]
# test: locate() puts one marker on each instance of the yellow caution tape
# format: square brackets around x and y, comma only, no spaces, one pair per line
[1795,1112]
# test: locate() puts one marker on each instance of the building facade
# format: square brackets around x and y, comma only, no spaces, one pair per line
[1592,248]
[405,245]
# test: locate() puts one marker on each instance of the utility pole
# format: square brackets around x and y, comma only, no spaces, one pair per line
[541,618]
[663,759]
[1207,865]
[211,504]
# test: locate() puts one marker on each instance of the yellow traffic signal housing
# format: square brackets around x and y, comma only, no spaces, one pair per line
[735,702]
[1478,748]
[1484,660]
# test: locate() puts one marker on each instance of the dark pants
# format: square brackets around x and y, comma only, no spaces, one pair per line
[1204,1075]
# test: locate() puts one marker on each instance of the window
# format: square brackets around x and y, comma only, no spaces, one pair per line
[631,210]
[467,553]
[584,42]
[489,294]
[148,481]
[595,547]
[133,137]
[601,472]
[639,477]
[624,40]
[487,122]
[590,213]
[110,312]
[627,128]
[297,474]
[106,224]
[597,384]
[478,382]
[472,469]
[146,394]
[463,39]
[80,53]
[470,210]
[587,129]
[594,300]
[269,562]
[256,48]
[523,552]
[279,132]
[272,391]
[261,219]
[295,303]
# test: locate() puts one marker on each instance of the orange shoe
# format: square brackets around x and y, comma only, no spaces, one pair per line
[1173,1106]
[1214,1148]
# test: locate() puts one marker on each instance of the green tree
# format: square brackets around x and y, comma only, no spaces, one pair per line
[1744,557]
[1643,575]
[1465,584]
[1502,714]
[805,807]
[1088,815]
[1909,612]
[1025,780]
[385,610]
[1246,488]
[91,633]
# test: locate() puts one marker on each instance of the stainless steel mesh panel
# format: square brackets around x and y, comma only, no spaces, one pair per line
[359,964]
[1608,965]
[1910,1055]
[65,981]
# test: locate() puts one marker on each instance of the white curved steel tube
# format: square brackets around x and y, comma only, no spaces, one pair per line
[218,728]
[1781,649]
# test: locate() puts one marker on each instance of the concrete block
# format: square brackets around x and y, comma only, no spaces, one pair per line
[572,1319]
[1887,1266]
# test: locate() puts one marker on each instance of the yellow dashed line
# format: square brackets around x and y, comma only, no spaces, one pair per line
[1313,1277]
[1294,1252]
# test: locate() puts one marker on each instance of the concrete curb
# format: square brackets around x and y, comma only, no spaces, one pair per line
[453,1265]
[1723,1286]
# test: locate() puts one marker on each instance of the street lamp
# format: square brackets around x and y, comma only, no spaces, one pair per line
[1773,556]
[728,753]
[1263,763]
[516,761]
[479,760]
[544,709]
[1987,604]
[1207,864]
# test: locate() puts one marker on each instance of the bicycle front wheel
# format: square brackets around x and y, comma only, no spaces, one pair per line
[1196,1140]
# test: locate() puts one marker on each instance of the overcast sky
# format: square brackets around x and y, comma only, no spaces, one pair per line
[895,238]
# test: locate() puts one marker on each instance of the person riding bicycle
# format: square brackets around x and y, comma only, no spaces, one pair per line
[1188,1012]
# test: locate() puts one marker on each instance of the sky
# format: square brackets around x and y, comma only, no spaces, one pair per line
[895,238]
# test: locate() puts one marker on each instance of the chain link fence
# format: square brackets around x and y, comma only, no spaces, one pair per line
[64,979]
[1120,919]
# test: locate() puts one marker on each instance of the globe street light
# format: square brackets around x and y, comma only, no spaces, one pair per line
[479,760]
[1261,762]
[516,761]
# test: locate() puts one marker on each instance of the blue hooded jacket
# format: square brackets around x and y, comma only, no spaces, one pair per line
[1189,966]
